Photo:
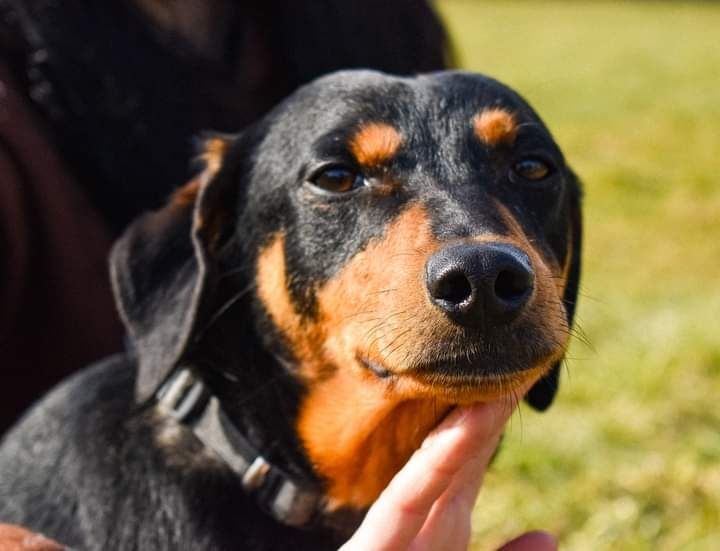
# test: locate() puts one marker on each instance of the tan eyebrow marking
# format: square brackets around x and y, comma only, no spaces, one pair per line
[495,126]
[375,143]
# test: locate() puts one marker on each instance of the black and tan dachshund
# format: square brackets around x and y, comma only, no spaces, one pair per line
[371,253]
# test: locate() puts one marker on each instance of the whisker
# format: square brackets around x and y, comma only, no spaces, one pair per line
[392,342]
[223,309]
[383,291]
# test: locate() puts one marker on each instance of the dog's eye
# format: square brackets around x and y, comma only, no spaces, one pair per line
[338,179]
[532,169]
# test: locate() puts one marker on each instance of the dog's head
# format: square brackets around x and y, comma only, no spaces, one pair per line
[404,245]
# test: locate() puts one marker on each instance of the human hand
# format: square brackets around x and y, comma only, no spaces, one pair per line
[428,504]
[14,538]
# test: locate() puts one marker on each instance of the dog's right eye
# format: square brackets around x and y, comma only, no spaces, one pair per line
[338,179]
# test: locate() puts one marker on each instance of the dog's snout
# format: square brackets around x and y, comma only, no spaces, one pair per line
[480,283]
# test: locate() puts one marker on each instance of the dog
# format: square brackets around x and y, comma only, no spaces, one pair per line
[373,252]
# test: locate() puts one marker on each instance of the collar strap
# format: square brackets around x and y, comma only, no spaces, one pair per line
[187,399]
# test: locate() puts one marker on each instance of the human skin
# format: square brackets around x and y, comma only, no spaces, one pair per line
[14,538]
[429,503]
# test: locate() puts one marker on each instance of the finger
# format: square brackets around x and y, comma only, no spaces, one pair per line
[532,541]
[448,525]
[466,483]
[402,509]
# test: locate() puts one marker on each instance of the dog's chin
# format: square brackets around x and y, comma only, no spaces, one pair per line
[459,381]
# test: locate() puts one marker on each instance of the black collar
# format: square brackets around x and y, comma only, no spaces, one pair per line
[187,399]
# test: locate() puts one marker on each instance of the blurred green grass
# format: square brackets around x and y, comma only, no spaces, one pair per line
[629,456]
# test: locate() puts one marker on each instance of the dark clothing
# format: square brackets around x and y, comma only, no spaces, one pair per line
[56,309]
[98,116]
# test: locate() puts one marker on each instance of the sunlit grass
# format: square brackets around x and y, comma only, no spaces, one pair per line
[629,457]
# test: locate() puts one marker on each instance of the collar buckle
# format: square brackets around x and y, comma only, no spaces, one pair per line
[256,474]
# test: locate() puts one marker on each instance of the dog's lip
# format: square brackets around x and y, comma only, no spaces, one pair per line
[477,381]
[376,368]
[454,373]
[454,387]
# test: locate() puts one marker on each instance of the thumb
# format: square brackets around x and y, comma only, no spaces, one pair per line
[532,541]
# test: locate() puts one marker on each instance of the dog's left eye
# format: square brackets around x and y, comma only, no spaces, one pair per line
[532,168]
[338,179]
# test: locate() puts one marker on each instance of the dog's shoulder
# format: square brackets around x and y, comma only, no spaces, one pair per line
[43,457]
[69,406]
[90,468]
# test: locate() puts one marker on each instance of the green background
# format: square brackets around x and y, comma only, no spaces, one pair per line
[629,456]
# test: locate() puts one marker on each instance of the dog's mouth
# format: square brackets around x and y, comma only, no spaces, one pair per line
[458,379]
[374,367]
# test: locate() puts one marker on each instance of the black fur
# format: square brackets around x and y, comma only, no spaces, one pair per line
[95,466]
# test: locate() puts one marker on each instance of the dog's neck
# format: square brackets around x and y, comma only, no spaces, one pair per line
[257,393]
[261,398]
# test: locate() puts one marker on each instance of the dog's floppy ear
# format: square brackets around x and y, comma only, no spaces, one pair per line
[542,393]
[161,267]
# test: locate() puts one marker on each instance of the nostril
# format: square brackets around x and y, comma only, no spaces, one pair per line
[512,285]
[453,287]
[480,284]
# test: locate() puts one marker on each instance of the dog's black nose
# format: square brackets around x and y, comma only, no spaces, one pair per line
[480,283]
